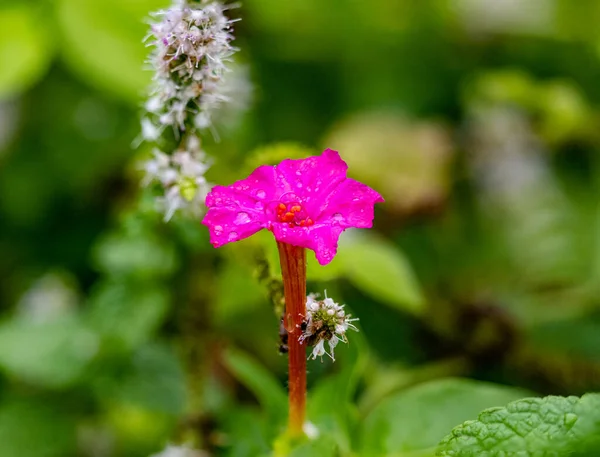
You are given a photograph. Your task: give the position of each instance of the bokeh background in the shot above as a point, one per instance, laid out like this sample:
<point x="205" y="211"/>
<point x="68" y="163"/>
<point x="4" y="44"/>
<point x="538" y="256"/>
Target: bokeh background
<point x="476" y="119"/>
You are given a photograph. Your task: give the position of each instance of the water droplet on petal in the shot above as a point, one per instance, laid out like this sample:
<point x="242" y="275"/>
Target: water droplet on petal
<point x="242" y="218"/>
<point x="356" y="199"/>
<point x="218" y="230"/>
<point x="338" y="217"/>
<point x="299" y="185"/>
<point x="233" y="236"/>
<point x="298" y="173"/>
<point x="261" y="193"/>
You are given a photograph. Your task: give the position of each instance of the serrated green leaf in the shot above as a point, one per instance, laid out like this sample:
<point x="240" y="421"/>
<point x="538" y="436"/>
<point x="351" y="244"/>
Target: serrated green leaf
<point x="532" y="427"/>
<point x="379" y="269"/>
<point x="25" y="48"/>
<point x="416" y="419"/>
<point x="51" y="354"/>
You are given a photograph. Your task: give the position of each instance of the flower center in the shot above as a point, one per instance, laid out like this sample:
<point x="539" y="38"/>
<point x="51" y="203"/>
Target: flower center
<point x="293" y="214"/>
<point x="188" y="188"/>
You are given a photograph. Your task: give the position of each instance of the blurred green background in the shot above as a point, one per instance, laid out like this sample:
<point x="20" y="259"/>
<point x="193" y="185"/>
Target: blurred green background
<point x="477" y="120"/>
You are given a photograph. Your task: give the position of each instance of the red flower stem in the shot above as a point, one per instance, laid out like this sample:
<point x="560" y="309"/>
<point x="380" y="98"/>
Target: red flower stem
<point x="293" y="269"/>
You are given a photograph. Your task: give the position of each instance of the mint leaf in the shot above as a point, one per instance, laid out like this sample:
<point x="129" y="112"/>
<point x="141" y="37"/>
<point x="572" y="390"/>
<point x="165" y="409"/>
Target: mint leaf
<point x="532" y="427"/>
<point x="415" y="419"/>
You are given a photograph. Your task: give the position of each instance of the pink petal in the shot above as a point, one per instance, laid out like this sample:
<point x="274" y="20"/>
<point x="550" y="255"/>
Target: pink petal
<point x="323" y="239"/>
<point x="350" y="204"/>
<point x="313" y="178"/>
<point x="259" y="187"/>
<point x="237" y="211"/>
<point x="226" y="226"/>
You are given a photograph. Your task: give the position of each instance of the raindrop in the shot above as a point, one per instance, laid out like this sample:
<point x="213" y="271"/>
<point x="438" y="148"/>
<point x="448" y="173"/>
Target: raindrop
<point x="299" y="185"/>
<point x="338" y="217"/>
<point x="233" y="236"/>
<point x="218" y="230"/>
<point x="242" y="218"/>
<point x="261" y="193"/>
<point x="356" y="199"/>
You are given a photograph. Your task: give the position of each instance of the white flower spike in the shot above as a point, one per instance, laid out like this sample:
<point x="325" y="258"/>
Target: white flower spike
<point x="182" y="177"/>
<point x="192" y="50"/>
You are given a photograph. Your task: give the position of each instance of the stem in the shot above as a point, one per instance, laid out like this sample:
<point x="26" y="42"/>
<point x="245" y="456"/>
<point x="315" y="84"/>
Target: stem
<point x="293" y="269"/>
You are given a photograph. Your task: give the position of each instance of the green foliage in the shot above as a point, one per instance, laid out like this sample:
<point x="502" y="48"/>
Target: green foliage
<point x="52" y="354"/>
<point x="417" y="418"/>
<point x="142" y="255"/>
<point x="152" y="381"/>
<point x="26" y="47"/>
<point x="550" y="426"/>
<point x="34" y="428"/>
<point x="262" y="384"/>
<point x="483" y="263"/>
<point x="373" y="265"/>
<point x="103" y="43"/>
<point x="127" y="314"/>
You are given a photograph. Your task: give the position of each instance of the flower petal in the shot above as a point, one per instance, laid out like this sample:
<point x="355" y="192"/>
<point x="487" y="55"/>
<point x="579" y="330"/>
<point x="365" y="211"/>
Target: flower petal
<point x="350" y="204"/>
<point x="237" y="211"/>
<point x="259" y="187"/>
<point x="226" y="226"/>
<point x="323" y="239"/>
<point x="313" y="178"/>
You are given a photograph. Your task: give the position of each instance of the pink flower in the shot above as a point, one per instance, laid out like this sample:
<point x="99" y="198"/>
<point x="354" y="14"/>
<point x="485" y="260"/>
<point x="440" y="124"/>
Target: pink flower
<point x="307" y="202"/>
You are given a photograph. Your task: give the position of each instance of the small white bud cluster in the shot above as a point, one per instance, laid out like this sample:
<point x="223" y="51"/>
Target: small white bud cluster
<point x="325" y="321"/>
<point x="192" y="49"/>
<point x="181" y="175"/>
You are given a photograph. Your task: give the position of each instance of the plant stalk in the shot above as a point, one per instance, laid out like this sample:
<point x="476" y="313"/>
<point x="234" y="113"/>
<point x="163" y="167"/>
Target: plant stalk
<point x="293" y="269"/>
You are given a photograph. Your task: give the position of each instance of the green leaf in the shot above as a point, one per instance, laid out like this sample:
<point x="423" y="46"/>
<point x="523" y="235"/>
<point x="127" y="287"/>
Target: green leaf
<point x="126" y="313"/>
<point x="103" y="42"/>
<point x="379" y="269"/>
<point x="35" y="429"/>
<point x="259" y="381"/>
<point x="26" y="48"/>
<point x="323" y="446"/>
<point x="417" y="418"/>
<point x="531" y="427"/>
<point x="51" y="354"/>
<point x="140" y="256"/>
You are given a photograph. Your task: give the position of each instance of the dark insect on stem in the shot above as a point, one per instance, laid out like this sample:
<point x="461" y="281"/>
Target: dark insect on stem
<point x="283" y="338"/>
